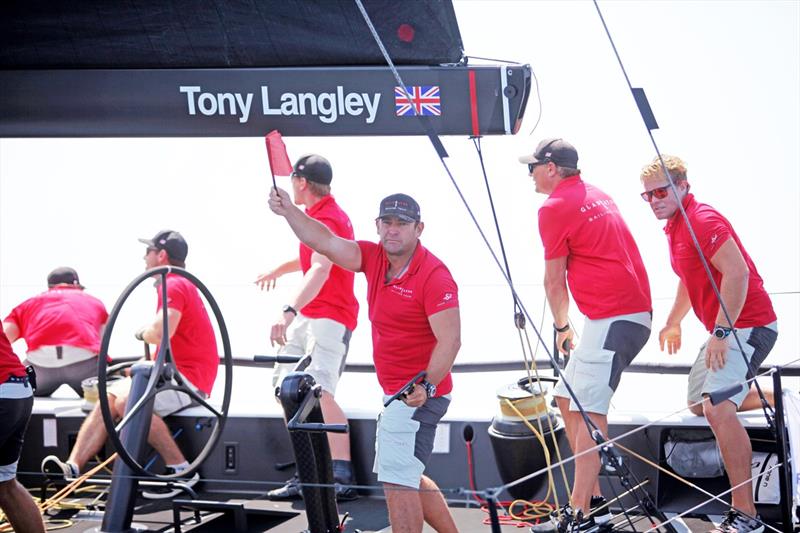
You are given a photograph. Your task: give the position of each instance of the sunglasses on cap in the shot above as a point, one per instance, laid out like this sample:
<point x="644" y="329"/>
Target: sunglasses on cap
<point x="660" y="193"/>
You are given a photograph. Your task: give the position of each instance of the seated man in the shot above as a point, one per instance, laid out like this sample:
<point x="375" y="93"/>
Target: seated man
<point x="194" y="351"/>
<point x="62" y="327"/>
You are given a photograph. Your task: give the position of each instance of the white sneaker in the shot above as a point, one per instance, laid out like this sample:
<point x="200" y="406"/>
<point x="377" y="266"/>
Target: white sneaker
<point x="170" y="488"/>
<point x="56" y="469"/>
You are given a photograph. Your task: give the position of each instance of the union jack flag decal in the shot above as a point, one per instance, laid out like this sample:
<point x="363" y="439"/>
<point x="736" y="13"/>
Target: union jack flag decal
<point x="424" y="98"/>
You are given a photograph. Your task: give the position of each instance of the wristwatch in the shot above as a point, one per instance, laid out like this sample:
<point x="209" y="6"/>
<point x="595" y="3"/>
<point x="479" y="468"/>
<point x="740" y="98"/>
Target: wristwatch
<point x="430" y="388"/>
<point x="289" y="309"/>
<point x="721" y="332"/>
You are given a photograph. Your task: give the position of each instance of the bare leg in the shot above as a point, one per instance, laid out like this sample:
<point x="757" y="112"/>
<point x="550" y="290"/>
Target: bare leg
<point x="92" y="434"/>
<point x="587" y="465"/>
<point x="574" y="423"/>
<point x="161" y="439"/>
<point x="737" y="452"/>
<point x="333" y="414"/>
<point x="434" y="507"/>
<point x="753" y="400"/>
<point x="405" y="508"/>
<point x="20" y="508"/>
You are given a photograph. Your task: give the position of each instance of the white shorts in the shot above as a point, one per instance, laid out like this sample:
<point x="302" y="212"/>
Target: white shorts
<point x="607" y="347"/>
<point x="166" y="402"/>
<point x="757" y="343"/>
<point x="325" y="340"/>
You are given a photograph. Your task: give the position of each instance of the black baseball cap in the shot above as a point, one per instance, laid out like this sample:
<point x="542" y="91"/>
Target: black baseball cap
<point x="401" y="206"/>
<point x="63" y="276"/>
<point x="557" y="150"/>
<point x="314" y="168"/>
<point x="170" y="241"/>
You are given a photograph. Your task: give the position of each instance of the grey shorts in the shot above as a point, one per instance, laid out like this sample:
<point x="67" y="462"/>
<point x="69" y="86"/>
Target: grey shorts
<point x="757" y="343"/>
<point x="48" y="378"/>
<point x="325" y="340"/>
<point x="166" y="402"/>
<point x="607" y="346"/>
<point x="404" y="440"/>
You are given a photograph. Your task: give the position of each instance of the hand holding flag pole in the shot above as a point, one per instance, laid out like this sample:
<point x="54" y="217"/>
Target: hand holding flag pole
<point x="279" y="162"/>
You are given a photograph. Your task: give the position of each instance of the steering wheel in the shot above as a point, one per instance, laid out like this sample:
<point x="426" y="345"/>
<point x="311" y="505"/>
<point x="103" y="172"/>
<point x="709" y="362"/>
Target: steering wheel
<point x="163" y="367"/>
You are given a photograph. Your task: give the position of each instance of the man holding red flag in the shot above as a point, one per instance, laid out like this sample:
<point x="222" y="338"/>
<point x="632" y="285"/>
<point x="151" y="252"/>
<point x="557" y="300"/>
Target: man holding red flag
<point x="320" y="317"/>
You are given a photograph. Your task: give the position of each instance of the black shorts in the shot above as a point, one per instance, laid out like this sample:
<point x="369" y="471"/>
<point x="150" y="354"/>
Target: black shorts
<point x="14" y="414"/>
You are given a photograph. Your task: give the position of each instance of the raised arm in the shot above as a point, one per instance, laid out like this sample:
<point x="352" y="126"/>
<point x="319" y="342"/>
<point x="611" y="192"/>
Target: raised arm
<point x="267" y="279"/>
<point x="315" y="234"/>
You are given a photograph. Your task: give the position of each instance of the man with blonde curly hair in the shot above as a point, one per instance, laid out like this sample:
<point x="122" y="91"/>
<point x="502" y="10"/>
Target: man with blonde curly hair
<point x="752" y="318"/>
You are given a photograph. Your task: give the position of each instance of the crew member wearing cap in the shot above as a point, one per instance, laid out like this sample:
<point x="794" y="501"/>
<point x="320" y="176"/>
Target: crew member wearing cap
<point x="588" y="247"/>
<point x="194" y="351"/>
<point x="413" y="307"/>
<point x="62" y="328"/>
<point x="320" y="317"/>
<point x="720" y="364"/>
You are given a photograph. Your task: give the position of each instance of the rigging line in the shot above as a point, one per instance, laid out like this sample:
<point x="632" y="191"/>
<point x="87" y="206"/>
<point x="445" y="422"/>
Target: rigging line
<point x="506" y="61"/>
<point x="476" y="141"/>
<point x="769" y="413"/>
<point x="700" y="489"/>
<point x="437" y="144"/>
<point x="539" y="100"/>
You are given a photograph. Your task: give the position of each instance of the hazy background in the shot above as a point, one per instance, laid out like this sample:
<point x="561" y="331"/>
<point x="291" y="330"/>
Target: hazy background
<point x="723" y="80"/>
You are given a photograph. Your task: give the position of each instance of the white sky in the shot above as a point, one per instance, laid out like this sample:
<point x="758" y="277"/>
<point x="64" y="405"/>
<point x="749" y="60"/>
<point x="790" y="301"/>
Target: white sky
<point x="723" y="79"/>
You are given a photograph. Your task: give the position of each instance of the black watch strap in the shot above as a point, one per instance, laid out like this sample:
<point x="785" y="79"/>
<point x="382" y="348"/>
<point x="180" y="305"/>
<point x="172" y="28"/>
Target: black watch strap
<point x="289" y="309"/>
<point x="563" y="329"/>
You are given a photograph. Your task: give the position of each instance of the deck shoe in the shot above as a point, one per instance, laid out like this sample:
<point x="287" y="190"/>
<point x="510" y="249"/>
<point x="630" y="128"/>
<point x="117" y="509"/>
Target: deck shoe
<point x="290" y="491"/>
<point x="603" y="515"/>
<point x="735" y="522"/>
<point x="169" y="490"/>
<point x="343" y="476"/>
<point x="571" y="522"/>
<point x="56" y="469"/>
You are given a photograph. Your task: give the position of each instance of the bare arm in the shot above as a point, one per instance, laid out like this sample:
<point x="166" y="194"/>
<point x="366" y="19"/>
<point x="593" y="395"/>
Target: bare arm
<point x="555" y="287"/>
<point x="267" y="279"/>
<point x="11" y="330"/>
<point x="153" y="333"/>
<point x="670" y="334"/>
<point x="446" y="326"/>
<point x="315" y="234"/>
<point x="735" y="279"/>
<point x="313" y="280"/>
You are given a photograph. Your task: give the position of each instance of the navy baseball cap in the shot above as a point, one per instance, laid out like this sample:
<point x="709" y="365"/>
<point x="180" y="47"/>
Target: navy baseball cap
<point x="170" y="241"/>
<point x="63" y="276"/>
<point x="314" y="168"/>
<point x="401" y="206"/>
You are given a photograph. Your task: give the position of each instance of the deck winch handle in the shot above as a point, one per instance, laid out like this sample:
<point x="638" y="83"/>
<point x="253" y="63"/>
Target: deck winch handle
<point x="407" y="388"/>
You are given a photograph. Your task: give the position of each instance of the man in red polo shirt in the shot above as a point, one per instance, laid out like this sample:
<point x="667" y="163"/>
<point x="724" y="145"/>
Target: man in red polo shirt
<point x="62" y="328"/>
<point x="194" y="350"/>
<point x="320" y="317"/>
<point x="753" y="325"/>
<point x="413" y="308"/>
<point x="16" y="403"/>
<point x="588" y="247"/>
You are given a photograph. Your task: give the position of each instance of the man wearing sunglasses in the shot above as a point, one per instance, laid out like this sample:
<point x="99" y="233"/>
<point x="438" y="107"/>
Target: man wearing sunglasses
<point x="588" y="247"/>
<point x="720" y="363"/>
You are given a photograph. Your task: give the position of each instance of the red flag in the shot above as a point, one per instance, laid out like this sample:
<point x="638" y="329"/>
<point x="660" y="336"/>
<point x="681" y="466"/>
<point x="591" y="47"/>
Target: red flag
<point x="276" y="153"/>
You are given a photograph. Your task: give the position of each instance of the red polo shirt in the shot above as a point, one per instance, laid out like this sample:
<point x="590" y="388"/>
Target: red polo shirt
<point x="335" y="300"/>
<point x="62" y="316"/>
<point x="712" y="230"/>
<point x="402" y="339"/>
<point x="194" y="346"/>
<point x="10" y="364"/>
<point x="605" y="272"/>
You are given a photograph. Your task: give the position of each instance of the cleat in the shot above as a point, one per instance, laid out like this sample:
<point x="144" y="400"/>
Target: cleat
<point x="290" y="491"/>
<point x="735" y="522"/>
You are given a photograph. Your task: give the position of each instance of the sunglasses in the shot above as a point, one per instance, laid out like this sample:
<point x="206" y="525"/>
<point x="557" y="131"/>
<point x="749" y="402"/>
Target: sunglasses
<point x="660" y="193"/>
<point x="531" y="166"/>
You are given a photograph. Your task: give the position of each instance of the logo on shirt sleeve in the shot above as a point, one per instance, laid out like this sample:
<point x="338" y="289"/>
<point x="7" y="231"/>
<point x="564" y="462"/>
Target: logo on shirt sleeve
<point x="446" y="298"/>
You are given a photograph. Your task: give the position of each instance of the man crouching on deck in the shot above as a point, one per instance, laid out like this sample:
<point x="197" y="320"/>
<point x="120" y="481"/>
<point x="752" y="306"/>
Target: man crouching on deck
<point x="413" y="307"/>
<point x="719" y="364"/>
